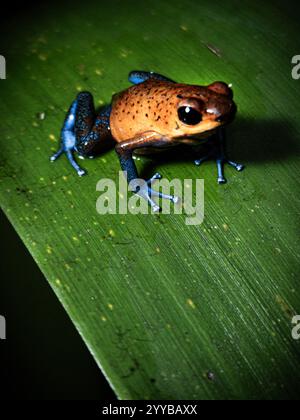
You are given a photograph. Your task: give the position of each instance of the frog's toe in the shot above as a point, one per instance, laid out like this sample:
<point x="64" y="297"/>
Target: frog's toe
<point x="81" y="172"/>
<point x="154" y="177"/>
<point x="56" y="155"/>
<point x="155" y="193"/>
<point x="69" y="154"/>
<point x="155" y="207"/>
<point x="146" y="194"/>
<point x="198" y="162"/>
<point x="145" y="191"/>
<point x="159" y="194"/>
<point x="238" y="166"/>
<point x="221" y="180"/>
<point x="78" y="169"/>
<point x="220" y="165"/>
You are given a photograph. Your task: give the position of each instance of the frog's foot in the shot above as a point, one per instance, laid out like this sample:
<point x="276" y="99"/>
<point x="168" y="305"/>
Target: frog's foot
<point x="145" y="191"/>
<point x="70" y="157"/>
<point x="220" y="166"/>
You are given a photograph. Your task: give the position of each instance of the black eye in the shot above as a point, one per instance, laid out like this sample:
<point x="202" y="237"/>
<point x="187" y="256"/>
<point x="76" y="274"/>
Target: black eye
<point x="189" y="115"/>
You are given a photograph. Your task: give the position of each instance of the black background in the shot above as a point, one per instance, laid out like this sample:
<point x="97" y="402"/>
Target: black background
<point x="43" y="357"/>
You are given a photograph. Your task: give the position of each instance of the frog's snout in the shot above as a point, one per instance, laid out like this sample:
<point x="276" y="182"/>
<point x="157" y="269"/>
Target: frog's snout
<point x="227" y="113"/>
<point x="220" y="106"/>
<point x="222" y="111"/>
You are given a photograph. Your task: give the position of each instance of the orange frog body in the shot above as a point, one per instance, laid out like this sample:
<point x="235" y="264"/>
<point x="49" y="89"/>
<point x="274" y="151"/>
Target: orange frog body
<point x="172" y="110"/>
<point x="153" y="114"/>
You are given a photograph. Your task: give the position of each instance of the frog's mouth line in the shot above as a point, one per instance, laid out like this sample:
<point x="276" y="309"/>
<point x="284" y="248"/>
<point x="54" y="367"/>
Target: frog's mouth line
<point x="199" y="137"/>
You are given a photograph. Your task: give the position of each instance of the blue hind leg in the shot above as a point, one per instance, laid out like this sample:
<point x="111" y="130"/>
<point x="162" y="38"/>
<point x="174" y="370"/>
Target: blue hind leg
<point x="68" y="139"/>
<point x="82" y="130"/>
<point x="137" y="77"/>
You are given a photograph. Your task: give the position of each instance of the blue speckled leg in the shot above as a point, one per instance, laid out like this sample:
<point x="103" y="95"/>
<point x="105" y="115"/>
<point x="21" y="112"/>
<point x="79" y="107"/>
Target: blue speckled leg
<point x="82" y="130"/>
<point x="68" y="139"/>
<point x="137" y="77"/>
<point x="90" y="129"/>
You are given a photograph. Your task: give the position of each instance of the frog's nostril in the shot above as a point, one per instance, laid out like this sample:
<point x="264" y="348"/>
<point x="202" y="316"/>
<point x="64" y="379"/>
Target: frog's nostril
<point x="213" y="111"/>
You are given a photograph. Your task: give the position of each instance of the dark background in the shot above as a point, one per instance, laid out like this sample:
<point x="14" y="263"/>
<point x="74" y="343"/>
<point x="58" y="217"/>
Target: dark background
<point x="43" y="357"/>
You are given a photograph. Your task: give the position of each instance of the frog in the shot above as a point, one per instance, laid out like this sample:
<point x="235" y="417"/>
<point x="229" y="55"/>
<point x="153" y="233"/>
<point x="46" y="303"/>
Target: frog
<point x="153" y="114"/>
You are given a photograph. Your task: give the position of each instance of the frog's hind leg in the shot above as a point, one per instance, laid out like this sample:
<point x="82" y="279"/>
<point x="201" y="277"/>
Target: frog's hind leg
<point x="91" y="130"/>
<point x="137" y="76"/>
<point x="68" y="139"/>
<point x="82" y="130"/>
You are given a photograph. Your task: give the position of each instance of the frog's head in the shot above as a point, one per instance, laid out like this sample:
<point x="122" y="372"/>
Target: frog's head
<point x="203" y="109"/>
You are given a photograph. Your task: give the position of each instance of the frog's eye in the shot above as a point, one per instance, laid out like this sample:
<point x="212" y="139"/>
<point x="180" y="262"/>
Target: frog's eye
<point x="189" y="115"/>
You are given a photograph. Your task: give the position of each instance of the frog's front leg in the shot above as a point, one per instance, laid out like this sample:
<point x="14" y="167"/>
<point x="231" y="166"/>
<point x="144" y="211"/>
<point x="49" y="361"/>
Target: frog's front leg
<point x="125" y="151"/>
<point x="222" y="158"/>
<point x="218" y="151"/>
<point x="82" y="130"/>
<point x="139" y="76"/>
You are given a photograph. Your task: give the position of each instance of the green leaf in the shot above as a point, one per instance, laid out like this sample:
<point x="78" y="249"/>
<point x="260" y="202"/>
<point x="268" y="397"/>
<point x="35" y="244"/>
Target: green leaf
<point x="168" y="311"/>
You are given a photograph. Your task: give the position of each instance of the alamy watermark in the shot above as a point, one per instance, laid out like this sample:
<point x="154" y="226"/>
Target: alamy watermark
<point x="2" y="67"/>
<point x="296" y="68"/>
<point x="2" y="328"/>
<point x="169" y="197"/>
<point x="296" y="329"/>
